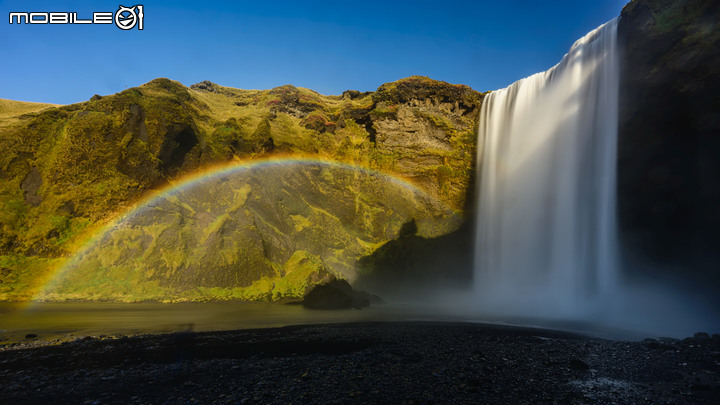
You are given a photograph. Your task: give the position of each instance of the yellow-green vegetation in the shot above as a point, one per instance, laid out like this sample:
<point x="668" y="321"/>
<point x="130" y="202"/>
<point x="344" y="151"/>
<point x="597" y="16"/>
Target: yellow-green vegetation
<point x="227" y="232"/>
<point x="298" y="275"/>
<point x="67" y="170"/>
<point x="10" y="110"/>
<point x="290" y="284"/>
<point x="22" y="277"/>
<point x="302" y="271"/>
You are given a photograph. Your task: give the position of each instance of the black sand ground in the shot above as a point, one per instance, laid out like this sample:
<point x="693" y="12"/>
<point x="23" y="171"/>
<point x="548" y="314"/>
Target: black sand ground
<point x="388" y="363"/>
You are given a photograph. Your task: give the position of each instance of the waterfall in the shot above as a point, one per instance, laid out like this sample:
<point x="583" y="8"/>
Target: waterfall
<point x="546" y="226"/>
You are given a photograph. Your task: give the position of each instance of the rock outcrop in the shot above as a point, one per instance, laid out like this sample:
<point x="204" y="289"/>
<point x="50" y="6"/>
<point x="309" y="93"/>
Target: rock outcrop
<point x="310" y="282"/>
<point x="428" y="128"/>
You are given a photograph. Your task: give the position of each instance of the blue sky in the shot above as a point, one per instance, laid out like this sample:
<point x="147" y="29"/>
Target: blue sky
<point x="328" y="46"/>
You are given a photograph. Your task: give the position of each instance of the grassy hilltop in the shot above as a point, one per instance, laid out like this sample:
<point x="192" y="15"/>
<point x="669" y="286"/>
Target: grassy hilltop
<point x="66" y="171"/>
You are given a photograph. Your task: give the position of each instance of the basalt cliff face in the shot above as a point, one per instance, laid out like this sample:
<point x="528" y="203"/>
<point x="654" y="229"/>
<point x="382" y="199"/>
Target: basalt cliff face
<point x="68" y="171"/>
<point x="669" y="138"/>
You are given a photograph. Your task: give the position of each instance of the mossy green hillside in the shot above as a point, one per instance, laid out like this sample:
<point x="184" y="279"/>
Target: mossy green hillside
<point x="11" y="109"/>
<point x="68" y="170"/>
<point x="234" y="229"/>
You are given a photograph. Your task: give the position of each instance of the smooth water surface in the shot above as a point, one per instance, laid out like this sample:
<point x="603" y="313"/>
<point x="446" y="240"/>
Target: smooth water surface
<point x="52" y="320"/>
<point x="71" y="320"/>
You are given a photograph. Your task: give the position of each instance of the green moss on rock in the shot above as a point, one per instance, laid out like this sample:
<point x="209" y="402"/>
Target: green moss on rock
<point x="89" y="162"/>
<point x="301" y="273"/>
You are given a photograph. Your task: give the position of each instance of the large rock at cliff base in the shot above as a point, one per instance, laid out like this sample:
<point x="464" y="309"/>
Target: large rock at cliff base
<point x="302" y="272"/>
<point x="308" y="280"/>
<point x="337" y="294"/>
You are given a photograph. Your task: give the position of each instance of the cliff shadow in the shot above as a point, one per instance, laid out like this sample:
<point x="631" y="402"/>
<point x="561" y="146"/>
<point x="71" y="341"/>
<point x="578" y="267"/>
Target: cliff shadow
<point x="412" y="265"/>
<point x="669" y="173"/>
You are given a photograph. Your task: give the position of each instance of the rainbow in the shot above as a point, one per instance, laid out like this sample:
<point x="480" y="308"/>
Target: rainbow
<point x="187" y="182"/>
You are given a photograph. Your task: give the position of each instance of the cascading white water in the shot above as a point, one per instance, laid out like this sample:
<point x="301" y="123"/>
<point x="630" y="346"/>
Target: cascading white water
<point x="546" y="230"/>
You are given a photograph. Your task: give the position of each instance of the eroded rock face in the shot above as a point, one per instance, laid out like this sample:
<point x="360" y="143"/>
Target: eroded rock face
<point x="408" y="132"/>
<point x="31" y="186"/>
<point x="669" y="136"/>
<point x="428" y="130"/>
<point x="417" y="90"/>
<point x="236" y="235"/>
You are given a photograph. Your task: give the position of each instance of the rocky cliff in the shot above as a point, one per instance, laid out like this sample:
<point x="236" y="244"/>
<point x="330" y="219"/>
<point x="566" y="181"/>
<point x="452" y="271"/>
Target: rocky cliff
<point x="67" y="171"/>
<point x="669" y="137"/>
<point x="231" y="235"/>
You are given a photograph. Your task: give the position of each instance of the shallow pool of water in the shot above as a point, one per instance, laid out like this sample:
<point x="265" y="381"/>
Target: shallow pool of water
<point x="69" y="320"/>
<point x="61" y="319"/>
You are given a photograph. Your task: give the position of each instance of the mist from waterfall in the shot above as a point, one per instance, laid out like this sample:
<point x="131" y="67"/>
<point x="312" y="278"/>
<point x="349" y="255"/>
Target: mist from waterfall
<point x="547" y="250"/>
<point x="546" y="226"/>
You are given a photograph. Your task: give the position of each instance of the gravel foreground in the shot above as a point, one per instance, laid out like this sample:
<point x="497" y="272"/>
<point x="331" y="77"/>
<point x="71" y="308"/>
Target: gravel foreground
<point x="388" y="363"/>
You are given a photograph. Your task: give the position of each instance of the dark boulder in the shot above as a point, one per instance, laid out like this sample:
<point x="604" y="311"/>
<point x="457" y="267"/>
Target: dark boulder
<point x="336" y="294"/>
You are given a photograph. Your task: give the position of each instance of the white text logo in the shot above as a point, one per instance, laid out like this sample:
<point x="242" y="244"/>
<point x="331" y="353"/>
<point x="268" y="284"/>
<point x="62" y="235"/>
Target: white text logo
<point x="125" y="18"/>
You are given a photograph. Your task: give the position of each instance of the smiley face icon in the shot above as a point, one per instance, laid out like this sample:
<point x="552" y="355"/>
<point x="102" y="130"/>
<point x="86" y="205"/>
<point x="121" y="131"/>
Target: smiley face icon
<point x="127" y="17"/>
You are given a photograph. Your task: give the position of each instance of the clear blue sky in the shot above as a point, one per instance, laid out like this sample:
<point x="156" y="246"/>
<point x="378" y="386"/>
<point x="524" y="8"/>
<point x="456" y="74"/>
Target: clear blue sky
<point x="328" y="46"/>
